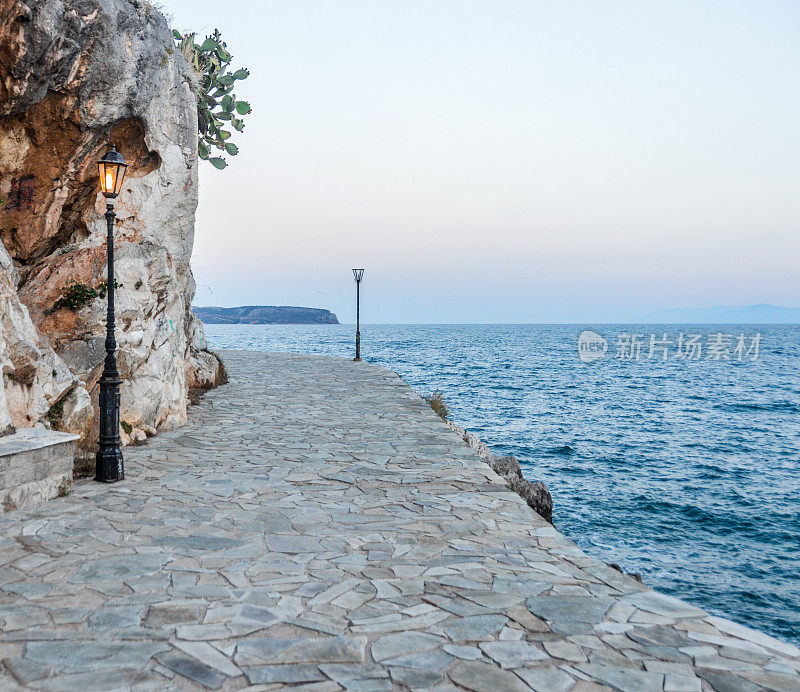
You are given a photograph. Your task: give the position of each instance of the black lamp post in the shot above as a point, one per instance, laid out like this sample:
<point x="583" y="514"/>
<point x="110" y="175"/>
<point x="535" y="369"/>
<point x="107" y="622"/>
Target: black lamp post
<point x="358" y="274"/>
<point x="109" y="467"/>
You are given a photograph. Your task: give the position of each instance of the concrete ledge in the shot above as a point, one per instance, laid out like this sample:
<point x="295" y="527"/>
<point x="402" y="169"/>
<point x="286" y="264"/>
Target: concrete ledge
<point x="35" y="465"/>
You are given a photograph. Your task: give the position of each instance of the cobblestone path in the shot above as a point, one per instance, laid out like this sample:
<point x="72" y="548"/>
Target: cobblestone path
<point x="317" y="526"/>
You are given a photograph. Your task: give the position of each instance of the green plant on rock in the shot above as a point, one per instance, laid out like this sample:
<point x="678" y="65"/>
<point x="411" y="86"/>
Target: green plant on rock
<point x="74" y="295"/>
<point x="55" y="414"/>
<point x="218" y="110"/>
<point x="102" y="288"/>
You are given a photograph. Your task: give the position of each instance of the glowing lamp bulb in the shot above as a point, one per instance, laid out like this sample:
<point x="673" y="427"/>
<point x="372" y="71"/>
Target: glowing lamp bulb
<point x="112" y="172"/>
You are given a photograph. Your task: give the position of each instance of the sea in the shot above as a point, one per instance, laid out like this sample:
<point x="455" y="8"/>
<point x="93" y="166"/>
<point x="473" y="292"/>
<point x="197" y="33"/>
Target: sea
<point x="671" y="450"/>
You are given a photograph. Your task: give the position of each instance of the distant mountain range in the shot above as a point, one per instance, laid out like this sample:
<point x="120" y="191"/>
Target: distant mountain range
<point x="264" y="314"/>
<point x="725" y="314"/>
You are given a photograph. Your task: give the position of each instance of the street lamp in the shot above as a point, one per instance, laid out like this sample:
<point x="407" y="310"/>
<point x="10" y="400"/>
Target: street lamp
<point x="109" y="467"/>
<point x="358" y="274"/>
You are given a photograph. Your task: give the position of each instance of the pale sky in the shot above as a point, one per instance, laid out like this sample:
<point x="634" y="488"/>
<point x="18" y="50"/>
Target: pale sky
<point x="506" y="161"/>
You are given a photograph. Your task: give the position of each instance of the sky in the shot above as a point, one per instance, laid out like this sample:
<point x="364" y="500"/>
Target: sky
<point x="505" y="161"/>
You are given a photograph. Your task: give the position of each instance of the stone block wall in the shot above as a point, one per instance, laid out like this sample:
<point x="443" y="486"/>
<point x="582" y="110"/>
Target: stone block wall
<point x="35" y="465"/>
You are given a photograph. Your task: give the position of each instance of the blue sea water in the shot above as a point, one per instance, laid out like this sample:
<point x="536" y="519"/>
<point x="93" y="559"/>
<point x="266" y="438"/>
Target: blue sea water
<point x="683" y="471"/>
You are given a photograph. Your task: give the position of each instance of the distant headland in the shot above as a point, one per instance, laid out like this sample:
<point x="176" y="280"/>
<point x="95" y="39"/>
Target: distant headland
<point x="264" y="314"/>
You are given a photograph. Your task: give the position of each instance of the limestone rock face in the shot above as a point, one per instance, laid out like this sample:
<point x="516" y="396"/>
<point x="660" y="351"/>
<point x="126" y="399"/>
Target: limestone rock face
<point x="34" y="377"/>
<point x="78" y="75"/>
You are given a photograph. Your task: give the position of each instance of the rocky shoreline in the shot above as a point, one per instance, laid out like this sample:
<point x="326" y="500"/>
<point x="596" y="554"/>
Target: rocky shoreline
<point x="535" y="493"/>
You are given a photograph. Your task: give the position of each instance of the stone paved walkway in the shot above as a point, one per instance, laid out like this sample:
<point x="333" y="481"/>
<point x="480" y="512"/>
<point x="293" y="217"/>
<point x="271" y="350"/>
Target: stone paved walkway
<point x="316" y="525"/>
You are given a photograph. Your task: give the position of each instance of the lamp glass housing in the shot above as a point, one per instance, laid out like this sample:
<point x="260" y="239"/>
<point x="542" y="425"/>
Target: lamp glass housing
<point x="358" y="274"/>
<point x="112" y="172"/>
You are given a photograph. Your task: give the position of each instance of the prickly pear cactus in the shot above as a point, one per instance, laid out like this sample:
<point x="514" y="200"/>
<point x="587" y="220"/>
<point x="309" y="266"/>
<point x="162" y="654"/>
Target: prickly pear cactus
<point x="218" y="110"/>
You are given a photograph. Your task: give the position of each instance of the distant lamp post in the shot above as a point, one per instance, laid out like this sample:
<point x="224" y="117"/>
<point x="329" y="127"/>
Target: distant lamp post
<point x="109" y="467"/>
<point x="358" y="274"/>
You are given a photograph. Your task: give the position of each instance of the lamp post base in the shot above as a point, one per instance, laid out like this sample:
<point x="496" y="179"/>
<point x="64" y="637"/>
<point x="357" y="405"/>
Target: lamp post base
<point x="109" y="466"/>
<point x="356" y="360"/>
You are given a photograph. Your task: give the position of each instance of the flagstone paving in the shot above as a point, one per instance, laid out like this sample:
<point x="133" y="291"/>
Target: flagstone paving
<point x="317" y="526"/>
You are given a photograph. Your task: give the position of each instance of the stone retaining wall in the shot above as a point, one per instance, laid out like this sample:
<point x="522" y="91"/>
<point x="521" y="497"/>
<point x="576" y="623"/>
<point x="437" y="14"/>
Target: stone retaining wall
<point x="35" y="465"/>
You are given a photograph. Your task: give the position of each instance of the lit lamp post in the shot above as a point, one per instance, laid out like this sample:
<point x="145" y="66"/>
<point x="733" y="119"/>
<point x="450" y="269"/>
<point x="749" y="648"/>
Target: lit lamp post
<point x="358" y="274"/>
<point x="109" y="467"/>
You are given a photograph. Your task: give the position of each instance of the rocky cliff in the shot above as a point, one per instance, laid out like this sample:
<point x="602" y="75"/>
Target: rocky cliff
<point x="76" y="75"/>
